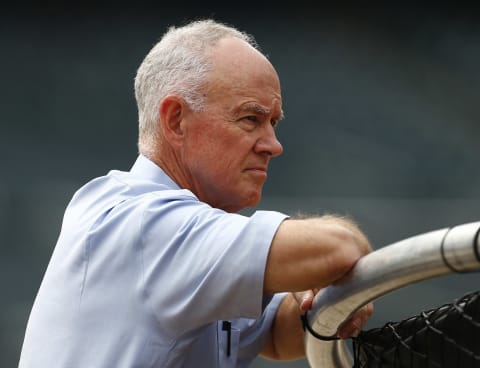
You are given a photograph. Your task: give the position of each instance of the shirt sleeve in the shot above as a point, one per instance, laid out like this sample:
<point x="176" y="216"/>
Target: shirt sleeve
<point x="202" y="264"/>
<point x="255" y="332"/>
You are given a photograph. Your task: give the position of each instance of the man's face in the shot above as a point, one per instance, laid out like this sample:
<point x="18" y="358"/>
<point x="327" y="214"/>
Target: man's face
<point x="230" y="143"/>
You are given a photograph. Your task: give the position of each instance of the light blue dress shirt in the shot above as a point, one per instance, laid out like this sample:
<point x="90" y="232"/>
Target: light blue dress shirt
<point x="146" y="275"/>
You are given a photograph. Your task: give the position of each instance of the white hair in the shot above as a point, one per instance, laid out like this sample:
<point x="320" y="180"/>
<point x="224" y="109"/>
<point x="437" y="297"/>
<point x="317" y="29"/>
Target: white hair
<point x="178" y="64"/>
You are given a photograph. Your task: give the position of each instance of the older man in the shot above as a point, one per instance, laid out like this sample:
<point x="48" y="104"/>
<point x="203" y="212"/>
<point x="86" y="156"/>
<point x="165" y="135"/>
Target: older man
<point x="154" y="267"/>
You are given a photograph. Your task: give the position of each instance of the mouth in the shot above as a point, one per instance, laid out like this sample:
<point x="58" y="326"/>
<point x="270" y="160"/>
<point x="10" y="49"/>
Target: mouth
<point x="262" y="169"/>
<point x="257" y="172"/>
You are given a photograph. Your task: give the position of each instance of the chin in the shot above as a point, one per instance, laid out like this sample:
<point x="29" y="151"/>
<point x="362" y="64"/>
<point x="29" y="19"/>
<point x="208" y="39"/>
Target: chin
<point x="251" y="201"/>
<point x="239" y="200"/>
<point x="254" y="200"/>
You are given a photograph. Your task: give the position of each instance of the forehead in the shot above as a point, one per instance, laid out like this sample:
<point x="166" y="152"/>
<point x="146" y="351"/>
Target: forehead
<point x="242" y="72"/>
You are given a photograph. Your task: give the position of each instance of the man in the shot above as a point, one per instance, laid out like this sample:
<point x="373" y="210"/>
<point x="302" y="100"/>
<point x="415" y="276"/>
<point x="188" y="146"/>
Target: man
<point x="153" y="267"/>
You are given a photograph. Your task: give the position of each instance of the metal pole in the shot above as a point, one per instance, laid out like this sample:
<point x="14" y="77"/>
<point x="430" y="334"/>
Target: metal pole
<point x="418" y="258"/>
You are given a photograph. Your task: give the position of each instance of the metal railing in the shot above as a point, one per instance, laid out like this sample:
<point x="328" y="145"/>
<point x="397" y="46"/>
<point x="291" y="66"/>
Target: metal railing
<point x="414" y="259"/>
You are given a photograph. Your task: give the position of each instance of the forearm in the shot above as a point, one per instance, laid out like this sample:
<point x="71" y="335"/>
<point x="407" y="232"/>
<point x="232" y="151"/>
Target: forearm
<point x="312" y="253"/>
<point x="286" y="341"/>
<point x="309" y="254"/>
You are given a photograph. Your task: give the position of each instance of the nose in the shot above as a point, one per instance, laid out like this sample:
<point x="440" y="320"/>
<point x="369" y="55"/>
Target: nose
<point x="268" y="142"/>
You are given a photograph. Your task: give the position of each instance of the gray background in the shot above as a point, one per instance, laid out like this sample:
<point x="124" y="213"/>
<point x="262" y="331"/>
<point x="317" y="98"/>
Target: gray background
<point x="382" y="123"/>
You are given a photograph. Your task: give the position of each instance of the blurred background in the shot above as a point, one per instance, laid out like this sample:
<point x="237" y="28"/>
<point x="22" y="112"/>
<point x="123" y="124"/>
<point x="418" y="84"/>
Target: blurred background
<point x="382" y="123"/>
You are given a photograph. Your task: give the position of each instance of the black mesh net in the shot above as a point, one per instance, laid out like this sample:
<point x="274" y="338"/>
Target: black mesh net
<point x="448" y="336"/>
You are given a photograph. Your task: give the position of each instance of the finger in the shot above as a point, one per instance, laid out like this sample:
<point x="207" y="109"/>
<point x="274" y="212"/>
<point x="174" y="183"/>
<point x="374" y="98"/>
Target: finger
<point x="304" y="299"/>
<point x="298" y="297"/>
<point x="365" y="313"/>
<point x="351" y="328"/>
<point x="355" y="324"/>
<point x="307" y="300"/>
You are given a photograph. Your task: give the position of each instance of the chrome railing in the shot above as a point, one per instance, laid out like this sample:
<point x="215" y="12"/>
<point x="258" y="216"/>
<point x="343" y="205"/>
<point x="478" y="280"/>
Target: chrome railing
<point x="414" y="259"/>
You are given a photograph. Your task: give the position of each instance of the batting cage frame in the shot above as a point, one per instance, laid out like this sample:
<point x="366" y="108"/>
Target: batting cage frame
<point x="433" y="338"/>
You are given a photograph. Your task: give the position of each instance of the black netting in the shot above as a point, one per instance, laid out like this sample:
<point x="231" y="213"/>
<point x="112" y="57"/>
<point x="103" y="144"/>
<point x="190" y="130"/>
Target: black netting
<point x="448" y="336"/>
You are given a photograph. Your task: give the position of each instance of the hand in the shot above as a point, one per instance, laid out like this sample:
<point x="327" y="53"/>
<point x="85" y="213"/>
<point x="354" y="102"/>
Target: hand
<point x="305" y="299"/>
<point x="351" y="328"/>
<point x="354" y="325"/>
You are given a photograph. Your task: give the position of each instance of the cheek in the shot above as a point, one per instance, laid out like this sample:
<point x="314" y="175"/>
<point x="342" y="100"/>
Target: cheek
<point x="199" y="143"/>
<point x="217" y="151"/>
<point x="219" y="168"/>
<point x="206" y="156"/>
<point x="210" y="144"/>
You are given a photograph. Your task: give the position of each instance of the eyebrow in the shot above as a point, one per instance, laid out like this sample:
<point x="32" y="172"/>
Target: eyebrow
<point x="259" y="109"/>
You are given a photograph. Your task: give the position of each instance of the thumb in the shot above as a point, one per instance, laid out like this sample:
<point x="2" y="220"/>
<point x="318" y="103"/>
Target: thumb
<point x="304" y="299"/>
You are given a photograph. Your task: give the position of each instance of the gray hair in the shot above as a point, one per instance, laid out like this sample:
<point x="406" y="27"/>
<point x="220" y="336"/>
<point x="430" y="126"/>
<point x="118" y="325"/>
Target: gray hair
<point x="178" y="64"/>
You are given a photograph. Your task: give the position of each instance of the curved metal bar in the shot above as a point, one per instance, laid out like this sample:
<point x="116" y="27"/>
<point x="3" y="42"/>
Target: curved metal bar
<point x="418" y="258"/>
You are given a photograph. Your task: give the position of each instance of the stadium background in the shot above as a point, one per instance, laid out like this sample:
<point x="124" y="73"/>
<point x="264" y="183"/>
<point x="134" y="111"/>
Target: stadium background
<point x="382" y="123"/>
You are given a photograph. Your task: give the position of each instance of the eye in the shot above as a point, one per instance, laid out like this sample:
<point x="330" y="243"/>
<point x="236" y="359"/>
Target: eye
<point x="248" y="122"/>
<point x="274" y="123"/>
<point x="252" y="118"/>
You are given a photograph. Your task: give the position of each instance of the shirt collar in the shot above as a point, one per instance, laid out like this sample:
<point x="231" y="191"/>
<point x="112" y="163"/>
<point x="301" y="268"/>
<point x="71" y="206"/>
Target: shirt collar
<point x="147" y="169"/>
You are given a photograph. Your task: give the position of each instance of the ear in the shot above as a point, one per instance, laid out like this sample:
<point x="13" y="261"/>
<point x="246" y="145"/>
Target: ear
<point x="172" y="112"/>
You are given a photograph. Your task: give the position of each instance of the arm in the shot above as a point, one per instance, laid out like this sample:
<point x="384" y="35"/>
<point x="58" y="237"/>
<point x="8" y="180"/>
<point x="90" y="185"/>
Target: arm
<point x="286" y="338"/>
<point x="286" y="341"/>
<point x="307" y="254"/>
<point x="312" y="253"/>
